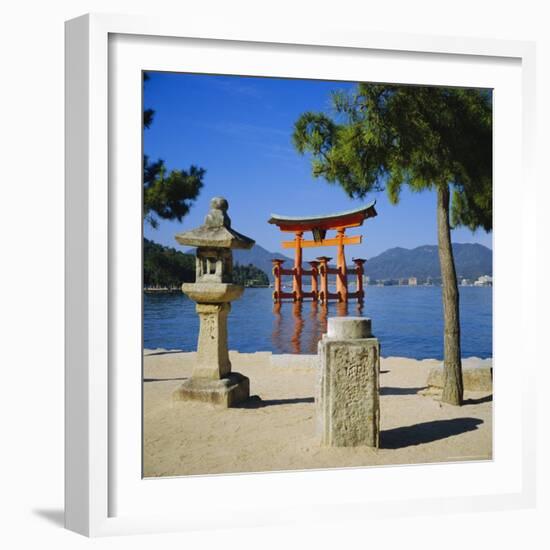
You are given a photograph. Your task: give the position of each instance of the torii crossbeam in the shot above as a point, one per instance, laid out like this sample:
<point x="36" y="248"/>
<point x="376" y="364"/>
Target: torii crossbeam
<point x="319" y="225"/>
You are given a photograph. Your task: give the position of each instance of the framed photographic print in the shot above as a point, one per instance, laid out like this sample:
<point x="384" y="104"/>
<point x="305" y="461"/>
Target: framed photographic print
<point x="294" y="282"/>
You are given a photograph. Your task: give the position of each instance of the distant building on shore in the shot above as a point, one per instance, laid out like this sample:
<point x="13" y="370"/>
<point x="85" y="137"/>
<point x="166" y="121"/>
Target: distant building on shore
<point x="413" y="281"/>
<point x="484" y="280"/>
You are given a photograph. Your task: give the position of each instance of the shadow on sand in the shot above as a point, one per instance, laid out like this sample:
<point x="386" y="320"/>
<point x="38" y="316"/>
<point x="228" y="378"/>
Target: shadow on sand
<point x="400" y="391"/>
<point x="425" y="432"/>
<point x="478" y="401"/>
<point x="166" y="352"/>
<point x="256" y="402"/>
<point x="163" y="379"/>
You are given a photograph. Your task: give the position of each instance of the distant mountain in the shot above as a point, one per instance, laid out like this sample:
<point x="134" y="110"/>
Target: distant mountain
<point x="471" y="260"/>
<point x="259" y="257"/>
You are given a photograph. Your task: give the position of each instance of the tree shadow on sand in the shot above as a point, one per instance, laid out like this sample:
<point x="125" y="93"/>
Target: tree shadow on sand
<point x="426" y="432"/>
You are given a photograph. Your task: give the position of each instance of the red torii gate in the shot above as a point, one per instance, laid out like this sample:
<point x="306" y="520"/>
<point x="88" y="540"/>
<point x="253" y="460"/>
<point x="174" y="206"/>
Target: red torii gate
<point x="319" y="225"/>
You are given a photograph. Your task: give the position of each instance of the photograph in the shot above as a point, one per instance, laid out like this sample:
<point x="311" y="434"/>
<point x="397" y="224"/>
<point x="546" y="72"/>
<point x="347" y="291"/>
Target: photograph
<point x="284" y="245"/>
<point x="317" y="274"/>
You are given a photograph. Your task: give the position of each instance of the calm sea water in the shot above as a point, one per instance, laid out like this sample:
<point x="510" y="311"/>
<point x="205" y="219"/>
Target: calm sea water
<point x="407" y="320"/>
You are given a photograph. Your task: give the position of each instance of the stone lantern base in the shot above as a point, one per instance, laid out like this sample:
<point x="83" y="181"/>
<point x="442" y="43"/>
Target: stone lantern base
<point x="226" y="392"/>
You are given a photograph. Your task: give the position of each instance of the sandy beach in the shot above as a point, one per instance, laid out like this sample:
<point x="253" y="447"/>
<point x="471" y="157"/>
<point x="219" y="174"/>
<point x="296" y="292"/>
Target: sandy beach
<point x="275" y="429"/>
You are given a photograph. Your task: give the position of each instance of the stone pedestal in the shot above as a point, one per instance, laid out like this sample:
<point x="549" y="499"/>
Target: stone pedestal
<point x="348" y="409"/>
<point x="477" y="375"/>
<point x="212" y="355"/>
<point x="226" y="392"/>
<point x="212" y="380"/>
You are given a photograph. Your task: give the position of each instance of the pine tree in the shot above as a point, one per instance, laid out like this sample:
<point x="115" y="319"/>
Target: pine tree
<point x="429" y="138"/>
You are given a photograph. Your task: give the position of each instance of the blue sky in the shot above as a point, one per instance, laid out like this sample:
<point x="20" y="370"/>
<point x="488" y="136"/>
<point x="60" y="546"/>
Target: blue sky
<point x="239" y="129"/>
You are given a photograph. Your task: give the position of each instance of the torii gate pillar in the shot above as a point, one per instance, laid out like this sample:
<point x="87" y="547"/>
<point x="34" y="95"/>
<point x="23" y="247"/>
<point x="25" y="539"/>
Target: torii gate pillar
<point x="342" y="276"/>
<point x="297" y="278"/>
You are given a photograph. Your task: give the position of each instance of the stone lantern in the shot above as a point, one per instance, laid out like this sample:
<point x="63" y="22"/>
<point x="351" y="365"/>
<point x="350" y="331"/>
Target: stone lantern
<point x="213" y="291"/>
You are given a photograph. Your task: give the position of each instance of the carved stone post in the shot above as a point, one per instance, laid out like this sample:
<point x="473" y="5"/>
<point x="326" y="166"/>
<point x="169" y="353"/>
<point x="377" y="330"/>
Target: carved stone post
<point x="212" y="355"/>
<point x="348" y="409"/>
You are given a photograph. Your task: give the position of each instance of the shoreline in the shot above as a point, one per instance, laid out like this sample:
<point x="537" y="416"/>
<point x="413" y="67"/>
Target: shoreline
<point x="470" y="358"/>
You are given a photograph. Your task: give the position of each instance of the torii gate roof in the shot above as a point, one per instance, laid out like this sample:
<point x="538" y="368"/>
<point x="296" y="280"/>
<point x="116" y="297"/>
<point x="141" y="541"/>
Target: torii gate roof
<point x="348" y="218"/>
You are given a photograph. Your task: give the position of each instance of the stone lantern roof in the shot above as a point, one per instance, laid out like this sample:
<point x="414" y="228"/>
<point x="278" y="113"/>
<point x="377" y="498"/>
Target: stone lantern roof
<point x="216" y="231"/>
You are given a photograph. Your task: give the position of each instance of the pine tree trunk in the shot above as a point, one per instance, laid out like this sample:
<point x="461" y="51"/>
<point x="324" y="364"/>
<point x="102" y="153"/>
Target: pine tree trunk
<point x="452" y="370"/>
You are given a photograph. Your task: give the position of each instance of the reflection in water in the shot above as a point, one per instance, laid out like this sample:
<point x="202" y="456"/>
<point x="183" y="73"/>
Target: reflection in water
<point x="277" y="335"/>
<point x="303" y="333"/>
<point x="298" y="327"/>
<point x="323" y="320"/>
<point x="408" y="320"/>
<point x="342" y="309"/>
<point x="314" y="320"/>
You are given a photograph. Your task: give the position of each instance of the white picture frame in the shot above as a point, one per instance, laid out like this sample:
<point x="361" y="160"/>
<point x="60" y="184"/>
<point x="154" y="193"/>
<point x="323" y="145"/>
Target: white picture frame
<point x="104" y="493"/>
